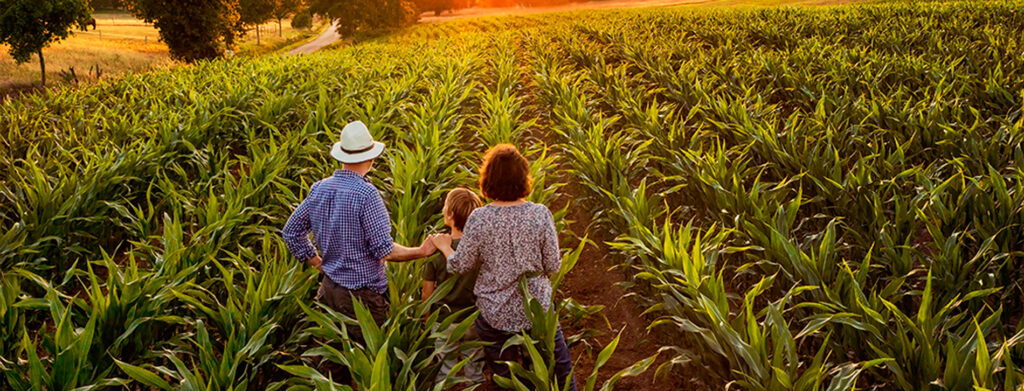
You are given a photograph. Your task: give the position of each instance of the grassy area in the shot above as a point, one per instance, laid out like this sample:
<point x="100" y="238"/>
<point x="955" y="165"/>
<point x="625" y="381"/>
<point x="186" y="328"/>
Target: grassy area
<point x="773" y="3"/>
<point x="807" y="198"/>
<point x="122" y="44"/>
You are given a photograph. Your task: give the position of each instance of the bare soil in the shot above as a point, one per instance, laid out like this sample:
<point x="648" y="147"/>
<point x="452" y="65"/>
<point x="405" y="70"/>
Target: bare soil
<point x="594" y="282"/>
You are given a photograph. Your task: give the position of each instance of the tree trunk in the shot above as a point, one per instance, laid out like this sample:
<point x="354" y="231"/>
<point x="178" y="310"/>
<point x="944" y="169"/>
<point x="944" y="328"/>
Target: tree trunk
<point x="42" y="66"/>
<point x="257" y="35"/>
<point x="279" y="33"/>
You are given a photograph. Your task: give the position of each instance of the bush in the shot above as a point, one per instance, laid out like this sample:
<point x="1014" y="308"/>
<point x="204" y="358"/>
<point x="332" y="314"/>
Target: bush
<point x="302" y="20"/>
<point x="200" y="31"/>
<point x="366" y="15"/>
<point x="439" y="6"/>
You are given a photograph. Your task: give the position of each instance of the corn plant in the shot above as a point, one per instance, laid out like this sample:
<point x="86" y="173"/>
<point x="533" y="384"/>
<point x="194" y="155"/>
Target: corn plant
<point x="65" y="363"/>
<point x="850" y="178"/>
<point x="538" y="343"/>
<point x="12" y="312"/>
<point x="396" y="355"/>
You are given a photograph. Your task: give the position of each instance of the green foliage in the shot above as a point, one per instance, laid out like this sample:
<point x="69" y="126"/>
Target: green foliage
<point x="302" y="20"/>
<point x="809" y="198"/>
<point x="833" y="237"/>
<point x="284" y="8"/>
<point x="354" y="16"/>
<point x="28" y="26"/>
<point x="538" y="345"/>
<point x="253" y="12"/>
<point x="199" y="31"/>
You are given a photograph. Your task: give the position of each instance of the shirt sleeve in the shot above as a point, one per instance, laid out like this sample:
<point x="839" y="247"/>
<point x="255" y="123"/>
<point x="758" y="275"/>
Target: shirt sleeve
<point x="296" y="230"/>
<point x="551" y="257"/>
<point x="376" y="226"/>
<point x="430" y="270"/>
<point x="467" y="255"/>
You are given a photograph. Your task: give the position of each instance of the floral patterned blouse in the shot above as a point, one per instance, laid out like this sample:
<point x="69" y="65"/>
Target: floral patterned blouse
<point x="509" y="242"/>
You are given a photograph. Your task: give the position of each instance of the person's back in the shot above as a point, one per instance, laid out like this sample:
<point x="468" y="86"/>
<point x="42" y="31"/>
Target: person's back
<point x="458" y="206"/>
<point x="352" y="229"/>
<point x="513" y="242"/>
<point x="461" y="297"/>
<point x="510" y="239"/>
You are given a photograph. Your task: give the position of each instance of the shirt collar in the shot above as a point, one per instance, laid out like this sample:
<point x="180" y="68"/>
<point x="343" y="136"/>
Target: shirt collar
<point x="349" y="174"/>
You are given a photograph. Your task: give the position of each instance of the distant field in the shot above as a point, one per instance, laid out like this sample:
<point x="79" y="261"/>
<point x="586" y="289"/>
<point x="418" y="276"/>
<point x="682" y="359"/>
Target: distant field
<point x="121" y="44"/>
<point x="473" y="12"/>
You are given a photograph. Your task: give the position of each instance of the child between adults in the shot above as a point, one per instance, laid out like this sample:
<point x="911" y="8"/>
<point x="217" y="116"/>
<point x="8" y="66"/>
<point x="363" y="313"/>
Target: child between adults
<point x="459" y="203"/>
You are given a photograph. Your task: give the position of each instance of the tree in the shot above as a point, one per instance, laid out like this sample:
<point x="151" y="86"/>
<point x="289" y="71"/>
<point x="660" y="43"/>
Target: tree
<point x="106" y="4"/>
<point x="255" y="13"/>
<point x="439" y="6"/>
<point x="28" y="26"/>
<point x="192" y="29"/>
<point x="302" y="20"/>
<point x="365" y="15"/>
<point x="283" y="9"/>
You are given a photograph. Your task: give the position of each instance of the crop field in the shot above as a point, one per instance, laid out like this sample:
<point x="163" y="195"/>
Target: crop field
<point x="820" y="198"/>
<point x="122" y="44"/>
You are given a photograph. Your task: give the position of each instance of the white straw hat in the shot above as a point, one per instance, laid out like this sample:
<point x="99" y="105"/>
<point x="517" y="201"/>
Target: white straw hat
<point x="356" y="145"/>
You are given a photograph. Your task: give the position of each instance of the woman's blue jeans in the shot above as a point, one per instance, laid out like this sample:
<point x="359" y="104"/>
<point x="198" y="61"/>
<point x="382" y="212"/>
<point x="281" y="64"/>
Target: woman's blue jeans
<point x="493" y="354"/>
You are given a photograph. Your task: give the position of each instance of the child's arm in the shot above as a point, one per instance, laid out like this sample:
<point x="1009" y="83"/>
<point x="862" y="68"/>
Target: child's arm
<point x="428" y="289"/>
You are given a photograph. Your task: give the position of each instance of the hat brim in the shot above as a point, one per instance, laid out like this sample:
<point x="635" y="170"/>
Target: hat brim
<point x="352" y="158"/>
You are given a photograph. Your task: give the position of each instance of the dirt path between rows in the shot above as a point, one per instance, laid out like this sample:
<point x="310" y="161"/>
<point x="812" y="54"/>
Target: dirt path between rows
<point x="594" y="280"/>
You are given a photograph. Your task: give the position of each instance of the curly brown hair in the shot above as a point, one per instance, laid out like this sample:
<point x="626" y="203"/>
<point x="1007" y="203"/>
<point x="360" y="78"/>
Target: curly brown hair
<point x="505" y="174"/>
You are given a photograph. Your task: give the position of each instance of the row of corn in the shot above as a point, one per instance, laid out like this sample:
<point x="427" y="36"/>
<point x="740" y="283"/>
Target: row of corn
<point x="810" y="199"/>
<point x="806" y="198"/>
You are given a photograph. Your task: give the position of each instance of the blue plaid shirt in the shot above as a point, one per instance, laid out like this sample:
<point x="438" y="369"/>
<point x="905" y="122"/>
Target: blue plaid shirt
<point x="351" y="227"/>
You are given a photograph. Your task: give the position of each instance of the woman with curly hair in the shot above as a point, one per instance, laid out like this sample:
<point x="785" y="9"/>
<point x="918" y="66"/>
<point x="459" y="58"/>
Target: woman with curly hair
<point x="508" y="239"/>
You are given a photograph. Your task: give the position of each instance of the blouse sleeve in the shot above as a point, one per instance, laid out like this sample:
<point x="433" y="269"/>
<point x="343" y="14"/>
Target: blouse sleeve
<point x="551" y="258"/>
<point x="467" y="255"/>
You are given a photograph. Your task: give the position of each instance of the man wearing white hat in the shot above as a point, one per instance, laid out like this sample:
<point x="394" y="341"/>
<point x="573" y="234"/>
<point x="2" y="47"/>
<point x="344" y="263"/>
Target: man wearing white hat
<point x="352" y="230"/>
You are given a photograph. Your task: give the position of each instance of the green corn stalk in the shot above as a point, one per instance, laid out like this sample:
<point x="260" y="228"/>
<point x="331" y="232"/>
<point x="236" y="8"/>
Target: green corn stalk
<point x="65" y="363"/>
<point x="400" y="354"/>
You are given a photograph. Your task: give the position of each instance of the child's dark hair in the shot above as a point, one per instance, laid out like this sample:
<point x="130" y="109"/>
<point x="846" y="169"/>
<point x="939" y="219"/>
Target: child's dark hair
<point x="461" y="202"/>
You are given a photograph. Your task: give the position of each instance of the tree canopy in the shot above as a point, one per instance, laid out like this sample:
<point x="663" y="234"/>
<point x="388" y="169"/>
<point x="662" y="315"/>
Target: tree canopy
<point x="192" y="29"/>
<point x="363" y="15"/>
<point x="284" y="8"/>
<point x="439" y="6"/>
<point x="28" y="26"/>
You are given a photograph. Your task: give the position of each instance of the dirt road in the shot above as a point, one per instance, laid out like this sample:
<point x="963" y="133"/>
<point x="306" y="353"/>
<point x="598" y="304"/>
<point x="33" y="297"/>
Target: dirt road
<point x="328" y="37"/>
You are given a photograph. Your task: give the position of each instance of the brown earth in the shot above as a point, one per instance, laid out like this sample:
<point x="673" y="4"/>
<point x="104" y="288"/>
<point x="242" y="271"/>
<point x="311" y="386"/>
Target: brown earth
<point x="594" y="282"/>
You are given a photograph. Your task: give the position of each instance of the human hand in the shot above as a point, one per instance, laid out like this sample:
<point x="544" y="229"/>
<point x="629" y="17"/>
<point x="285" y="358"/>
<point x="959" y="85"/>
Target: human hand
<point x="428" y="246"/>
<point x="441" y="240"/>
<point x="316" y="262"/>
